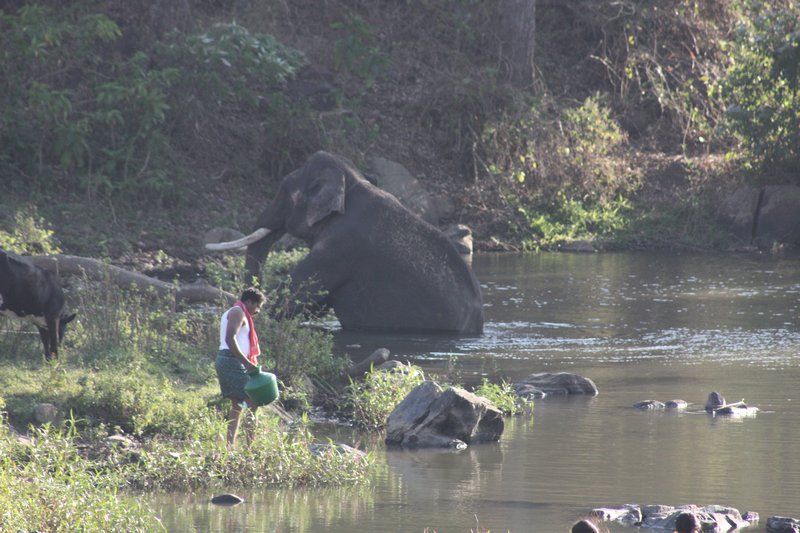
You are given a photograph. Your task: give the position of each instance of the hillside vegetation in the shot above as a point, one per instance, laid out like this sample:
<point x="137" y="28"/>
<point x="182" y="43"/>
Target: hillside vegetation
<point x="127" y="129"/>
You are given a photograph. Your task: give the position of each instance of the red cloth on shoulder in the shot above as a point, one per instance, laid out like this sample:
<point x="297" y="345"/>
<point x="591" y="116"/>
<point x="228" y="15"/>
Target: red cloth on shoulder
<point x="255" y="351"/>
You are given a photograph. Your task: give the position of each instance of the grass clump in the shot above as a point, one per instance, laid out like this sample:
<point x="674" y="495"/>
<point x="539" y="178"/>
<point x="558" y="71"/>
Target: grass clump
<point x="276" y="457"/>
<point x="375" y="397"/>
<point x="503" y="397"/>
<point x="48" y="486"/>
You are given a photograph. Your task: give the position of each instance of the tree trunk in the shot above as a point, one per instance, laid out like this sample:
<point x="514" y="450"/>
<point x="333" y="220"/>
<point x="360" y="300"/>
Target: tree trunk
<point x="98" y="270"/>
<point x="517" y="32"/>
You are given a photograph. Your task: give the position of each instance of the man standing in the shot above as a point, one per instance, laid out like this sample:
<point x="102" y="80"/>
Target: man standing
<point x="238" y="355"/>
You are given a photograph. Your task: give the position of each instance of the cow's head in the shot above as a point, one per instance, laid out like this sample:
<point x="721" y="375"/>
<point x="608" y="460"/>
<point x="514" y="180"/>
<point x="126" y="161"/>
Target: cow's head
<point x="62" y="325"/>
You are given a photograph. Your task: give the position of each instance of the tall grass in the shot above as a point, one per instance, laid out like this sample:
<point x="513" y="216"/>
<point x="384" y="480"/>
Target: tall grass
<point x="48" y="486"/>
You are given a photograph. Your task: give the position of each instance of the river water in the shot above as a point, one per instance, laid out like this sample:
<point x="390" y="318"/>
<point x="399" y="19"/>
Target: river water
<point x="641" y="326"/>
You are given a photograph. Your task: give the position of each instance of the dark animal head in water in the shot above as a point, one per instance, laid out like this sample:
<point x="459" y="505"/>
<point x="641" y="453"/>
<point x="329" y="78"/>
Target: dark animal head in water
<point x="715" y="400"/>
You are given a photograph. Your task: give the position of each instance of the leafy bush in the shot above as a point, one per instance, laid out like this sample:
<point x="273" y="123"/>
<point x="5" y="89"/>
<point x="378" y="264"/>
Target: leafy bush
<point x="75" y="114"/>
<point x="71" y="113"/>
<point x="503" y="397"/>
<point x="293" y="351"/>
<point x="574" y="219"/>
<point x="29" y="235"/>
<point x="656" y="60"/>
<point x="114" y="321"/>
<point x="564" y="180"/>
<point x="762" y="84"/>
<point x="232" y="64"/>
<point x="356" y="51"/>
<point x="372" y="399"/>
<point x="685" y="223"/>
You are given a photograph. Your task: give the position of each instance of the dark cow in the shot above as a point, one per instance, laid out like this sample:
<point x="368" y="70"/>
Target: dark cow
<point x="31" y="293"/>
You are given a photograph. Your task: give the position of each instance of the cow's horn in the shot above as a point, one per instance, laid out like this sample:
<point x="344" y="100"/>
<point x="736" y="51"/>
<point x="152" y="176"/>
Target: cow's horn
<point x="247" y="240"/>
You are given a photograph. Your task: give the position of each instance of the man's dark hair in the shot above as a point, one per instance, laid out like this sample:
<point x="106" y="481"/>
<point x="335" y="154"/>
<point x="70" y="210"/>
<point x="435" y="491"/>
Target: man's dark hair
<point x="687" y="523"/>
<point x="253" y="295"/>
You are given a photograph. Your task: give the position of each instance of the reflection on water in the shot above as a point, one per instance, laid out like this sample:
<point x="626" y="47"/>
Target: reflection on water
<point x="642" y="326"/>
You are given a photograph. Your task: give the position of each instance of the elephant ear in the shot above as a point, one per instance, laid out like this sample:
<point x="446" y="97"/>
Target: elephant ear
<point x="325" y="195"/>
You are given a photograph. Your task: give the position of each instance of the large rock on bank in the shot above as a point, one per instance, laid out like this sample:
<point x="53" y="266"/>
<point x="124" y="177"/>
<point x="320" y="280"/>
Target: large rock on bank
<point x="763" y="216"/>
<point x="431" y="418"/>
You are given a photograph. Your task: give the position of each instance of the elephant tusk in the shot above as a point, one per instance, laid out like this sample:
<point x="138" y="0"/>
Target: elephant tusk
<point x="247" y="240"/>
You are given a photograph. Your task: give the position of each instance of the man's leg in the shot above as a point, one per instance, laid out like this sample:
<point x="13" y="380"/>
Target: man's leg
<point x="233" y="421"/>
<point x="250" y="421"/>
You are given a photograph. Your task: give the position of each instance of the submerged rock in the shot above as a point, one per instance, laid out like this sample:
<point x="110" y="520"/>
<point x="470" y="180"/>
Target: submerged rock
<point x="662" y="517"/>
<point x="339" y="449"/>
<point x="227" y="499"/>
<point x="782" y="524"/>
<point x="655" y="404"/>
<point x="649" y="404"/>
<point x="628" y="515"/>
<point x="554" y="383"/>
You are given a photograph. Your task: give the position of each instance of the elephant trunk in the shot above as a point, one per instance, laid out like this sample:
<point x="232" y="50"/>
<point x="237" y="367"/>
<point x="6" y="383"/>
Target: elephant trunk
<point x="257" y="253"/>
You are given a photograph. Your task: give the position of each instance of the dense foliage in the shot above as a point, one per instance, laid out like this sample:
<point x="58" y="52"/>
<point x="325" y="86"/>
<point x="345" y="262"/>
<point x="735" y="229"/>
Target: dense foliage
<point x="81" y="112"/>
<point x="761" y="88"/>
<point x="95" y="102"/>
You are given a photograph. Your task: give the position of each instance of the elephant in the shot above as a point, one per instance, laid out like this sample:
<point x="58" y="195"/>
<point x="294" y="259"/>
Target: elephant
<point x="375" y="263"/>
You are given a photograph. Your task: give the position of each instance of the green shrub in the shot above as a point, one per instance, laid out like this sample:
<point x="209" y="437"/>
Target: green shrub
<point x="356" y="51"/>
<point x="685" y="223"/>
<point x="761" y="87"/>
<point x="293" y="351"/>
<point x="72" y="114"/>
<point x="277" y="456"/>
<point x="29" y="235"/>
<point x="503" y="397"/>
<point x="372" y="399"/>
<point x="76" y="115"/>
<point x="565" y="180"/>
<point x="232" y="65"/>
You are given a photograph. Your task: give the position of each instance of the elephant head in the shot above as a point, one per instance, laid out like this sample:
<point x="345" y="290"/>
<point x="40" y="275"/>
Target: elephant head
<point x="305" y="199"/>
<point x="374" y="262"/>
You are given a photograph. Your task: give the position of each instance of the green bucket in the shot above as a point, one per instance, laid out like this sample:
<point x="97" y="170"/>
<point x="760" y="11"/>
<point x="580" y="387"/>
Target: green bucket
<point x="262" y="387"/>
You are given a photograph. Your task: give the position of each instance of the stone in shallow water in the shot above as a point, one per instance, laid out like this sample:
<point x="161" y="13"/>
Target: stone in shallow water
<point x="782" y="524"/>
<point x="649" y="404"/>
<point x="227" y="499"/>
<point x="554" y="383"/>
